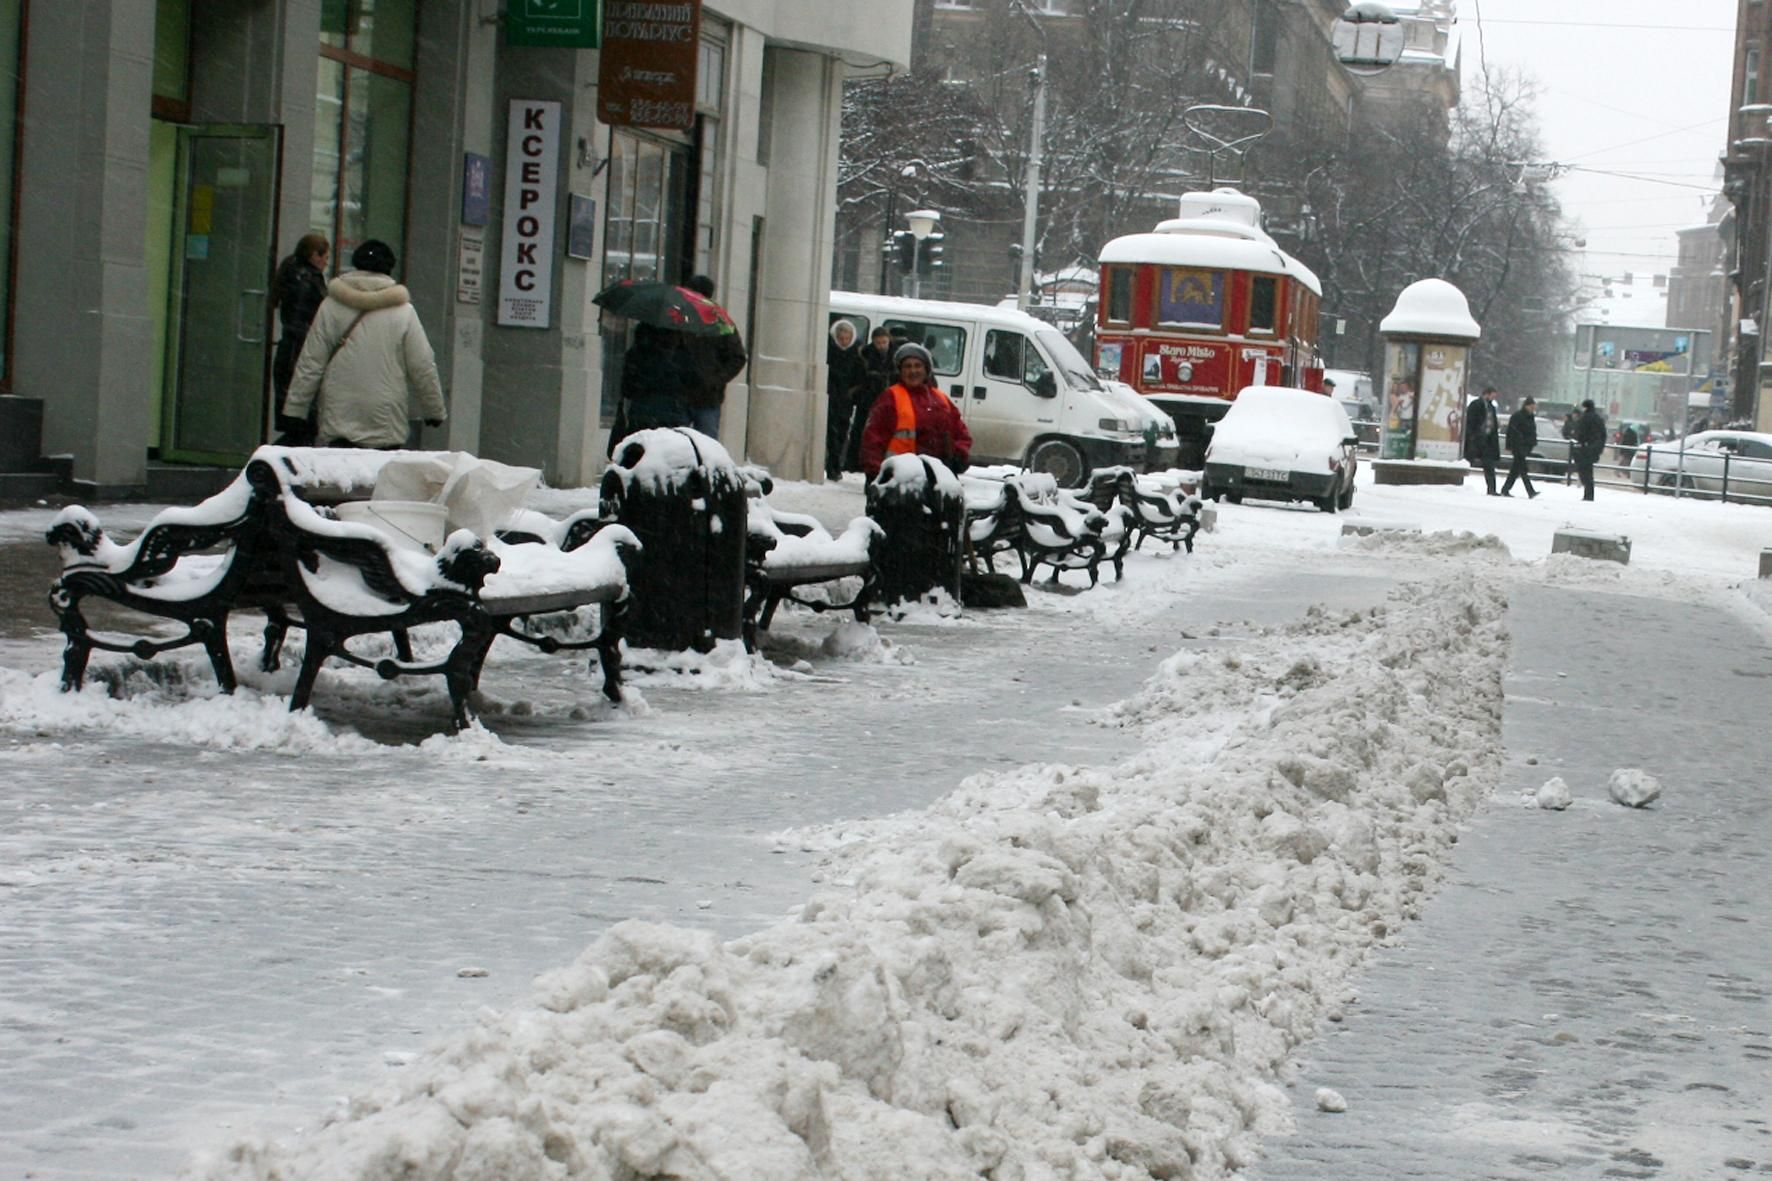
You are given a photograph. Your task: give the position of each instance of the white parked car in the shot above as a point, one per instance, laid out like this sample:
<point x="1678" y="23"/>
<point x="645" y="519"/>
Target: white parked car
<point x="1744" y="456"/>
<point x="1278" y="443"/>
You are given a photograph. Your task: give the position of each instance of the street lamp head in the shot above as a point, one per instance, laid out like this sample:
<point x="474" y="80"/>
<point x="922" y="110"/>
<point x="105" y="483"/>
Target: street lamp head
<point x="922" y="222"/>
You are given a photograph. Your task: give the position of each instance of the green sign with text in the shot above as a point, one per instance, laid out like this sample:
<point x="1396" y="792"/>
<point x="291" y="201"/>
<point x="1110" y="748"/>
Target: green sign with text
<point x="570" y="24"/>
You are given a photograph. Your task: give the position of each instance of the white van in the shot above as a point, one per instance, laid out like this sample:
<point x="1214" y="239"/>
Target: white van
<point x="1028" y="397"/>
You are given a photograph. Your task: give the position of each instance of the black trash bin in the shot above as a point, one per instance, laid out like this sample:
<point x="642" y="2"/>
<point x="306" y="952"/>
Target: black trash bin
<point x="683" y="497"/>
<point x="917" y="502"/>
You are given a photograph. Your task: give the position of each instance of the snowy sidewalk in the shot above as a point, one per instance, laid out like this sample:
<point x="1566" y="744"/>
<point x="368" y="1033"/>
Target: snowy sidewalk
<point x="1588" y="995"/>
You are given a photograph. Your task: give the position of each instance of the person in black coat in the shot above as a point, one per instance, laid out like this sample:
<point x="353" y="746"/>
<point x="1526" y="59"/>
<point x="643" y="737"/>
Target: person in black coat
<point x="297" y="292"/>
<point x="1522" y="437"/>
<point x="1482" y="436"/>
<point x="843" y="379"/>
<point x="877" y="374"/>
<point x="1589" y="445"/>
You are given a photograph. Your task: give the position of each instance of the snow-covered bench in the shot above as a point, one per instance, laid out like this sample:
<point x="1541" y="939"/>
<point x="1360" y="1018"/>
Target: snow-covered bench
<point x="344" y="580"/>
<point x="1156" y="512"/>
<point x="786" y="551"/>
<point x="259" y="544"/>
<point x="1065" y="533"/>
<point x="993" y="521"/>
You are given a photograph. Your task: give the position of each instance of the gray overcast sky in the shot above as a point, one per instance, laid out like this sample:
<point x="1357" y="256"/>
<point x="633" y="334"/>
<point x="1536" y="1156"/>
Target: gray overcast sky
<point x="1650" y="100"/>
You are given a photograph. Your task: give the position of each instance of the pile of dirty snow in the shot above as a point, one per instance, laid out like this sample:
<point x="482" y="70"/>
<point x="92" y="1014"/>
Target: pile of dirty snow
<point x="1053" y="972"/>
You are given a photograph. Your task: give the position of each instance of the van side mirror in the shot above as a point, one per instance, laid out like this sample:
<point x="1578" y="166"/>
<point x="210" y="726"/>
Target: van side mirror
<point x="1046" y="386"/>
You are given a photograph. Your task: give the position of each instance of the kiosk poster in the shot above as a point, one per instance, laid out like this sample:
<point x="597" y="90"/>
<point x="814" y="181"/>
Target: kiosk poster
<point x="1440" y="422"/>
<point x="646" y="72"/>
<point x="1402" y="365"/>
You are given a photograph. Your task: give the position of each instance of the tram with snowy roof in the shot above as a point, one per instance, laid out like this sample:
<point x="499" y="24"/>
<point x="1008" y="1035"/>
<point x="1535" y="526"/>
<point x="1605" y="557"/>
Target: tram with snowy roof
<point x="1203" y="306"/>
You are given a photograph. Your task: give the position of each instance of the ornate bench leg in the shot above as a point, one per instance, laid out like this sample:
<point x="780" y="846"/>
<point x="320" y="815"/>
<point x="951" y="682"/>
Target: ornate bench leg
<point x="312" y="657"/>
<point x="402" y="645"/>
<point x="214" y="634"/>
<point x="609" y="646"/>
<point x="76" y="647"/>
<point x="276" y="628"/>
<point x="753" y="602"/>
<point x="461" y="671"/>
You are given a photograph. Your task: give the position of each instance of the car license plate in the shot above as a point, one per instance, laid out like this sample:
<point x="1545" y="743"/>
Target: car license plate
<point x="1266" y="473"/>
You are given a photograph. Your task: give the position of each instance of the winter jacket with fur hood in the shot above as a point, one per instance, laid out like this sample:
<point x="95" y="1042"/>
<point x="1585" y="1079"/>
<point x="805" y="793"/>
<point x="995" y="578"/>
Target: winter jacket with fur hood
<point x="384" y="367"/>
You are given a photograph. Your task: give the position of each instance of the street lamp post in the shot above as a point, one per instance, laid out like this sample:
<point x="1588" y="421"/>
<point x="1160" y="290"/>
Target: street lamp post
<point x="922" y="223"/>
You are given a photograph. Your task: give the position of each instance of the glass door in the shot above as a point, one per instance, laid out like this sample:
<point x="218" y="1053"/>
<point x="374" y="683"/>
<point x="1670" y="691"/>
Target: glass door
<point x="218" y="351"/>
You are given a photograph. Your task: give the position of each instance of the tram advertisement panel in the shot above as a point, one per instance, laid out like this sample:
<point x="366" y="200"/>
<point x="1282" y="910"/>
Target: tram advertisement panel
<point x="1438" y="427"/>
<point x="1200" y="368"/>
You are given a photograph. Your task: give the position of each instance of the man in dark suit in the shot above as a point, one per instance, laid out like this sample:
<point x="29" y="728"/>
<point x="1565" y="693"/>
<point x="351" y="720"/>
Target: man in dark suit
<point x="1589" y="445"/>
<point x="1482" y="436"/>
<point x="1522" y="437"/>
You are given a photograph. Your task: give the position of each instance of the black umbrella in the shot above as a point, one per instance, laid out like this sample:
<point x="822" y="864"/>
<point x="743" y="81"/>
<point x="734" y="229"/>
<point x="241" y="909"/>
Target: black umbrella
<point x="665" y="305"/>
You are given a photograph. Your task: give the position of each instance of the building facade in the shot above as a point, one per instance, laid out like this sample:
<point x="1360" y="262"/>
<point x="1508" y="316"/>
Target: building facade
<point x="166" y="154"/>
<point x="1747" y="182"/>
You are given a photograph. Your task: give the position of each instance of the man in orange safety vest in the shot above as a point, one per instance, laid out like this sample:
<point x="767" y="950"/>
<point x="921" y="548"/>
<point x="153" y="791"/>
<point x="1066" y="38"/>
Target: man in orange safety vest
<point x="913" y="417"/>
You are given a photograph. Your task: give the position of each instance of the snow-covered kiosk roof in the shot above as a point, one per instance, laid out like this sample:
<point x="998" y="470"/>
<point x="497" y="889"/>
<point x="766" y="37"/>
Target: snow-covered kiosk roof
<point x="1220" y="230"/>
<point x="1431" y="307"/>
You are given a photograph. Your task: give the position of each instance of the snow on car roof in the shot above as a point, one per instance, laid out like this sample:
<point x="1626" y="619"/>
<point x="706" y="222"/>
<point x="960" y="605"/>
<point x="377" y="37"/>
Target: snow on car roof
<point x="1280" y="426"/>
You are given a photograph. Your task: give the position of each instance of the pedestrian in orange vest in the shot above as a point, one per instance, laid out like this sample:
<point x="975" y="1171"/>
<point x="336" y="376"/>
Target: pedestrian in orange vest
<point x="913" y="417"/>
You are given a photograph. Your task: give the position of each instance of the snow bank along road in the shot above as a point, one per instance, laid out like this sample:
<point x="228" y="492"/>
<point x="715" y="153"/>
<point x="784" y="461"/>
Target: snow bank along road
<point x="1051" y="973"/>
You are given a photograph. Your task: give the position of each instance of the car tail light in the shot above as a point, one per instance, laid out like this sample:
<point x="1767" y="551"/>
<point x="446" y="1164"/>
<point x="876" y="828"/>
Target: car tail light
<point x="1335" y="463"/>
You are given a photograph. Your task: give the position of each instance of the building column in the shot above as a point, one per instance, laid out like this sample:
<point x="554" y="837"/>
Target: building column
<point x="82" y="325"/>
<point x="785" y="427"/>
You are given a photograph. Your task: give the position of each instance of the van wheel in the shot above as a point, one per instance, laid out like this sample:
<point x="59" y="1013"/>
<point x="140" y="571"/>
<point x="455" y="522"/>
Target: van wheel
<point x="1060" y="460"/>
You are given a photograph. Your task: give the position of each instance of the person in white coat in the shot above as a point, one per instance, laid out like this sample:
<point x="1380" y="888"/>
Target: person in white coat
<point x="366" y="359"/>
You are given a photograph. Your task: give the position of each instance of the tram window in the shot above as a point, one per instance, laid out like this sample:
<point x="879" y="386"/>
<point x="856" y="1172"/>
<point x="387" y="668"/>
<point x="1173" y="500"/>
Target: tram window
<point x="1119" y="295"/>
<point x="1264" y="303"/>
<point x="946" y="342"/>
<point x="1002" y="354"/>
<point x="1191" y="298"/>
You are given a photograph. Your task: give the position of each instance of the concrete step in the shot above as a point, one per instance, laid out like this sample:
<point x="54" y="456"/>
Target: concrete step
<point x="28" y="485"/>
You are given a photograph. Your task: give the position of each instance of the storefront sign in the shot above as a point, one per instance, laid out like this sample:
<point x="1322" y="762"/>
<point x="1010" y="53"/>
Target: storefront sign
<point x="532" y="167"/>
<point x="568" y="23"/>
<point x="470" y="266"/>
<point x="646" y="74"/>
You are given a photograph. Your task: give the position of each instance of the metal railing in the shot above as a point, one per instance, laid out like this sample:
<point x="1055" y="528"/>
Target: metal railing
<point x="1702" y="482"/>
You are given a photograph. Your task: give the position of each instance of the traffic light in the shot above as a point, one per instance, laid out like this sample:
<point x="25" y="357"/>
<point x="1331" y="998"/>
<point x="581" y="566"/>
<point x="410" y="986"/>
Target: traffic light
<point x="929" y="259"/>
<point x="904" y="251"/>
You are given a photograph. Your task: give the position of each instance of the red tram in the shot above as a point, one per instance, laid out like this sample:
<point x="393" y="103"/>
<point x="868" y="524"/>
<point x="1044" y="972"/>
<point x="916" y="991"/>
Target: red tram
<point x="1204" y="306"/>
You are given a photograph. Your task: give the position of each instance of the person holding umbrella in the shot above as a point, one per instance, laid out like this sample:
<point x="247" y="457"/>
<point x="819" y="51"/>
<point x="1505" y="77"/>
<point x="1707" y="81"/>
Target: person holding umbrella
<point x="660" y="375"/>
<point x="717" y="359"/>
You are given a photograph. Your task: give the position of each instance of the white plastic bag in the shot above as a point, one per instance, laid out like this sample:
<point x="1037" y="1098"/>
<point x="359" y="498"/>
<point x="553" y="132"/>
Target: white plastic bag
<point x="481" y="495"/>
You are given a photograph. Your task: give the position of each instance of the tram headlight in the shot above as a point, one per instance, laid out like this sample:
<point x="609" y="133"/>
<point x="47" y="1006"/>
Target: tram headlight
<point x="1184" y="371"/>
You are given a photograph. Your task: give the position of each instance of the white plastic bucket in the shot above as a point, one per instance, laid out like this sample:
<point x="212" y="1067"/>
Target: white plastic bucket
<point x="411" y="524"/>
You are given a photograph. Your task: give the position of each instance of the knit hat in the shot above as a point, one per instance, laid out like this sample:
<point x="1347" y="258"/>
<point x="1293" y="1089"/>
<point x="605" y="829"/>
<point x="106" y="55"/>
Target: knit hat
<point x="374" y="255"/>
<point x="911" y="349"/>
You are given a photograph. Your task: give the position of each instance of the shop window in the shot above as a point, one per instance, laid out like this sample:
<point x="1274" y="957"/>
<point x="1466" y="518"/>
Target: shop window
<point x="1191" y="298"/>
<point x="172" y="59"/>
<point x="643" y="233"/>
<point x="363" y="122"/>
<point x="1264" y="303"/>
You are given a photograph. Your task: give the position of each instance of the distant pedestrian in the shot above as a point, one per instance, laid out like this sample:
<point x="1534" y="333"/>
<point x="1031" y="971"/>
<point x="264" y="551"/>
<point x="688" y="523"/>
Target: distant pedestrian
<point x="877" y="375"/>
<point x="1589" y="446"/>
<point x="366" y="360"/>
<point x="1522" y="437"/>
<point x="297" y="293"/>
<point x="1482" y="436"/>
<point x="1627" y="444"/>
<point x="715" y="360"/>
<point x="915" y="418"/>
<point x="843" y="383"/>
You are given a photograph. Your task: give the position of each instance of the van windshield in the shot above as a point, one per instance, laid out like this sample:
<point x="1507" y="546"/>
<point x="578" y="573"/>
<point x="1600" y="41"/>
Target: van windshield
<point x="1067" y="360"/>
